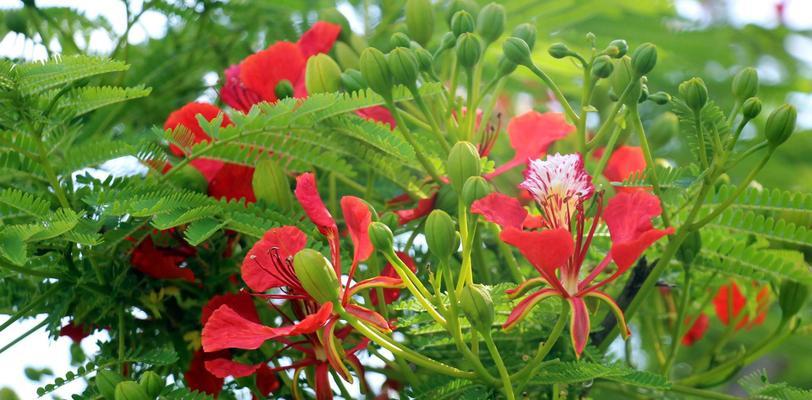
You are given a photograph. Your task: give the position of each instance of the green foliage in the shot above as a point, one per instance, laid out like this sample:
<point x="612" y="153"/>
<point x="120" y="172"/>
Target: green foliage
<point x="758" y="386"/>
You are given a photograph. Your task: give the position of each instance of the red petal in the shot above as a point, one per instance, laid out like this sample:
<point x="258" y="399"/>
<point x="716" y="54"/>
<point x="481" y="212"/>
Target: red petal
<point x="208" y="168"/>
<point x="376" y="320"/>
<point x="696" y="331"/>
<point x="233" y="181"/>
<point x="319" y="38"/>
<point x="242" y="303"/>
<point x="531" y="134"/>
<point x="224" y="367"/>
<point x="323" y="389"/>
<point x="186" y="116"/>
<point x="160" y="263"/>
<point x="235" y="94"/>
<point x="609" y="301"/>
<point x="624" y="161"/>
<point x="358" y="217"/>
<point x="263" y="70"/>
<point x="579" y="324"/>
<point x="500" y="209"/>
<point x="524" y="287"/>
<point x="379" y="114"/>
<point x="546" y="250"/>
<point x="259" y="271"/>
<point x="386" y="282"/>
<point x="308" y="195"/>
<point x="423" y="207"/>
<point x="312" y="322"/>
<point x="626" y="253"/>
<point x="75" y="332"/>
<point x="331" y="349"/>
<point x="628" y="216"/>
<point x="198" y="378"/>
<point x="226" y="329"/>
<point x="520" y="311"/>
<point x="267" y="381"/>
<point x="720" y="302"/>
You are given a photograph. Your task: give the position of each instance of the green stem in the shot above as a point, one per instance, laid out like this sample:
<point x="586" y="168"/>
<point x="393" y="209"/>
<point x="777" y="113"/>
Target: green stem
<point x="421" y="157"/>
<point x="415" y="287"/>
<point x="500" y="365"/>
<point x="556" y="92"/>
<point x="434" y="128"/>
<point x="607" y="151"/>
<point x="676" y="336"/>
<point x="703" y="155"/>
<point x="24" y="335"/>
<point x="466" y="273"/>
<point x="507" y="255"/>
<point x="705" y="394"/>
<point x="29" y="272"/>
<point x="30" y="306"/>
<point x="531" y="367"/>
<point x="121" y="342"/>
<point x="585" y="98"/>
<point x="641" y="134"/>
<point x="610" y="119"/>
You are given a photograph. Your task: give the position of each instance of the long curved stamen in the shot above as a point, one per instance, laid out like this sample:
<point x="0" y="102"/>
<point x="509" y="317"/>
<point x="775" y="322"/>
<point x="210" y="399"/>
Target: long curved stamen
<point x="559" y="184"/>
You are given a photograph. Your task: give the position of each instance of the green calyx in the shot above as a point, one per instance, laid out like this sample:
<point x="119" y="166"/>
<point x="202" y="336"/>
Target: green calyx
<point x="403" y="66"/>
<point x="323" y="74"/>
<point x="463" y="162"/>
<point x="381" y="236"/>
<point x="780" y="124"/>
<point x="477" y="305"/>
<point x="440" y="234"/>
<point x="420" y="20"/>
<point x="317" y="276"/>
<point x="375" y="70"/>
<point x="694" y="93"/>
<point x="644" y="58"/>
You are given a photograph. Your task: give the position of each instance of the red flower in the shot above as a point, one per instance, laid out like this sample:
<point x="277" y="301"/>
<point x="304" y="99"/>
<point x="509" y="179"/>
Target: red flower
<point x="255" y="79"/>
<point x="162" y="262"/>
<point x="186" y="117"/>
<point x="379" y="114"/>
<point x="745" y="314"/>
<point x="561" y="186"/>
<point x="233" y="182"/>
<point x="696" y="331"/>
<point x="75" y="332"/>
<point x="268" y="265"/>
<point x="198" y="378"/>
<point x="531" y="134"/>
<point x="420" y="210"/>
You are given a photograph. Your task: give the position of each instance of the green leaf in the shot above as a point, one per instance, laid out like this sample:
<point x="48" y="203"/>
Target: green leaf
<point x="749" y="222"/>
<point x="83" y="100"/>
<point x="37" y="77"/>
<point x="12" y="247"/>
<point x="197" y="232"/>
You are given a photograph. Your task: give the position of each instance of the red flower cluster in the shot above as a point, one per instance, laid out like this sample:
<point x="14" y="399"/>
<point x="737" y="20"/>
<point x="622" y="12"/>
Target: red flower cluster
<point x="165" y="260"/>
<point x="268" y="266"/>
<point x="731" y="306"/>
<point x="561" y="187"/>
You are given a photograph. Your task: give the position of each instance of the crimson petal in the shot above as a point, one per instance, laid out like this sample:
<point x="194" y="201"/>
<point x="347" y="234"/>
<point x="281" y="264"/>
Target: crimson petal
<point x="259" y="271"/>
<point x="242" y="303"/>
<point x="531" y="134"/>
<point x="500" y="209"/>
<point x="227" y="329"/>
<point x="222" y="367"/>
<point x="319" y="38"/>
<point x="546" y="250"/>
<point x="358" y="217"/>
<point x="628" y="217"/>
<point x="523" y="308"/>
<point x="263" y="70"/>
<point x="579" y="324"/>
<point x="186" y="116"/>
<point x="376" y="320"/>
<point x="623" y="163"/>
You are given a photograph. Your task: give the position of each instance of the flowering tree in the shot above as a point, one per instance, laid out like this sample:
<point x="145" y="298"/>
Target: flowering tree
<point x="353" y="212"/>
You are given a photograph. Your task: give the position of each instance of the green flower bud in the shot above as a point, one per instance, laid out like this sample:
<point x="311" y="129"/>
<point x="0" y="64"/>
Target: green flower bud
<point x="694" y="93"/>
<point x="403" y="66"/>
<point x="475" y="188"/>
<point x="389" y="219"/>
<point x="463" y="22"/>
<point x="317" y="276"/>
<point x="751" y="108"/>
<point x="399" y="39"/>
<point x="491" y="22"/>
<point x="336" y="17"/>
<point x="602" y="67"/>
<point x="420" y="20"/>
<point x="152" y="383"/>
<point x="780" y="124"/>
<point x="469" y="49"/>
<point x="559" y="50"/>
<point x="322" y="75"/>
<point x="469" y="6"/>
<point x="664" y="127"/>
<point x="347" y="57"/>
<point x="424" y="59"/>
<point x="477" y="305"/>
<point x="129" y="390"/>
<point x="526" y="32"/>
<point x="448" y="41"/>
<point x="517" y="51"/>
<point x="463" y="162"/>
<point x="644" y="58"/>
<point x="16" y="22"/>
<point x="358" y="43"/>
<point x="745" y="83"/>
<point x="381" y="236"/>
<point x="440" y="234"/>
<point x="621" y="76"/>
<point x="375" y="71"/>
<point x="505" y="67"/>
<point x="661" y="98"/>
<point x="283" y="89"/>
<point x="617" y="48"/>
<point x="271" y="184"/>
<point x="106" y="382"/>
<point x="791" y="298"/>
<point x="447" y="199"/>
<point x="690" y="248"/>
<point x="353" y="80"/>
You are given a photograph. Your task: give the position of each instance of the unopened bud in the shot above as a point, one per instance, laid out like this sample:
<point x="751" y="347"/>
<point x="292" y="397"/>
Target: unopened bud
<point x="440" y="234"/>
<point x="517" y="51"/>
<point x="617" y="48"/>
<point x="463" y="162"/>
<point x="399" y="39"/>
<point x="420" y="20"/>
<point x="283" y="89"/>
<point x="462" y="22"/>
<point x="644" y="58"/>
<point x="403" y="66"/>
<point x="526" y="32"/>
<point x="780" y="124"/>
<point x="745" y="83"/>
<point x="323" y="75"/>
<point x="469" y="49"/>
<point x="491" y="22"/>
<point x="469" y="6"/>
<point x="424" y="59"/>
<point x="271" y="184"/>
<point x="448" y="41"/>
<point x="602" y="66"/>
<point x="661" y="98"/>
<point x="389" y="219"/>
<point x="317" y="276"/>
<point x="106" y="382"/>
<point x="447" y="199"/>
<point x="694" y="93"/>
<point x="381" y="236"/>
<point x="622" y="76"/>
<point x="152" y="383"/>
<point x="129" y="390"/>
<point x="475" y="188"/>
<point x="791" y="298"/>
<point x="751" y="108"/>
<point x="559" y="50"/>
<point x="347" y="57"/>
<point x="375" y="71"/>
<point x="353" y="80"/>
<point x="690" y="248"/>
<point x="477" y="305"/>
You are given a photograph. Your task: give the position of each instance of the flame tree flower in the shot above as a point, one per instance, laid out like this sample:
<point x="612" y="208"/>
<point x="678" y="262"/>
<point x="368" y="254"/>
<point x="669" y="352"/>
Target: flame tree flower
<point x="562" y="187"/>
<point x="318" y="298"/>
